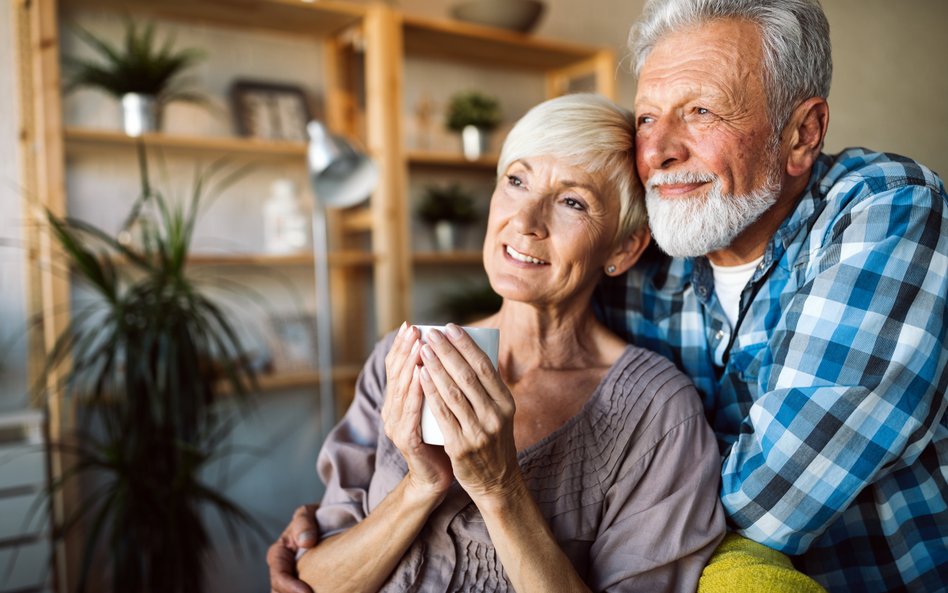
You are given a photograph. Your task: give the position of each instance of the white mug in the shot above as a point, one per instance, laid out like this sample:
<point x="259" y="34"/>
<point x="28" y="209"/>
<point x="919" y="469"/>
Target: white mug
<point x="488" y="340"/>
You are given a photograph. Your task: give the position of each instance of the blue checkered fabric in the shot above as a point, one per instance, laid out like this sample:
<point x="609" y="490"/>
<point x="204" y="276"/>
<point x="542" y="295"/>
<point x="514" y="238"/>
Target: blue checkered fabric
<point x="829" y="398"/>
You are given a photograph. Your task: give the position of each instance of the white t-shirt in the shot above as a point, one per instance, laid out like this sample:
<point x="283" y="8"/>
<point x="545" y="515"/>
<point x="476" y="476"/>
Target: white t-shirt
<point x="729" y="282"/>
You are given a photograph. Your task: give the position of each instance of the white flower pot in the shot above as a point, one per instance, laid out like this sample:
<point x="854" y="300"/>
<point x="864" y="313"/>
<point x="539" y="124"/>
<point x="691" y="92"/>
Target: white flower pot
<point x="140" y="114"/>
<point x="447" y="235"/>
<point x="473" y="142"/>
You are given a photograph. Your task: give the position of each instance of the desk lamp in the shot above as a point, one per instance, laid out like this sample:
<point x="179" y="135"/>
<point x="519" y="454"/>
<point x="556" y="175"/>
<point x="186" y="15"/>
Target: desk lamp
<point x="341" y="177"/>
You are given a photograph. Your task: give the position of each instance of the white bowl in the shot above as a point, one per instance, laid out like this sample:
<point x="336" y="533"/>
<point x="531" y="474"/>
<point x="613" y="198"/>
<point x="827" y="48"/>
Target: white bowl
<point x="514" y="15"/>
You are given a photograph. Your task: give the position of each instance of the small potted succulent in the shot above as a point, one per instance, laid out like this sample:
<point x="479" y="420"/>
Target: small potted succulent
<point x="474" y="115"/>
<point x="446" y="209"/>
<point x="142" y="75"/>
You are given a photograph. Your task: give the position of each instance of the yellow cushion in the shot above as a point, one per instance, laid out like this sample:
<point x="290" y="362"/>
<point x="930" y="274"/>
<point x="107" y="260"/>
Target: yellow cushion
<point x="740" y="565"/>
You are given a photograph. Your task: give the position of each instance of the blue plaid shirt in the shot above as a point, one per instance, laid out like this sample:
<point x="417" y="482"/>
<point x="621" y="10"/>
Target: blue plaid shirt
<point x="829" y="398"/>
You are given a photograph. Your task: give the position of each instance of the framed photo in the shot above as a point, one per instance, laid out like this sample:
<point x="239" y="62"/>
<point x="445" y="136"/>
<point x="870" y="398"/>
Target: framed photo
<point x="269" y="110"/>
<point x="293" y="342"/>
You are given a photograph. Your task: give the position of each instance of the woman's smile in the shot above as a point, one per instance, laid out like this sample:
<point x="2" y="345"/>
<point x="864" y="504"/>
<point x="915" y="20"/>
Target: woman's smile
<point x="523" y="258"/>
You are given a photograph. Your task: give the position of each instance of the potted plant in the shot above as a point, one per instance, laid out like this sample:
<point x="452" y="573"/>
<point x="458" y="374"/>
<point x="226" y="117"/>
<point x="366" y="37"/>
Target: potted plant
<point x="446" y="209"/>
<point x="144" y="363"/>
<point x="474" y="115"/>
<point x="142" y="75"/>
<point x="469" y="303"/>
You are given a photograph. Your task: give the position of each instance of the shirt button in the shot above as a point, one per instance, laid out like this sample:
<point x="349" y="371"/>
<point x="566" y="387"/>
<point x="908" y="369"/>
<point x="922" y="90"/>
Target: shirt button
<point x="760" y="266"/>
<point x="720" y="335"/>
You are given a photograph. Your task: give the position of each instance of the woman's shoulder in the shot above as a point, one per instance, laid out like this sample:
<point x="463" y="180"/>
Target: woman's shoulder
<point x="648" y="382"/>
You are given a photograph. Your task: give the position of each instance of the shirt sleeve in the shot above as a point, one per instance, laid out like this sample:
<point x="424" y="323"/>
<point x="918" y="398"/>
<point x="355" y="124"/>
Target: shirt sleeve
<point x="662" y="517"/>
<point x="855" y="385"/>
<point x="346" y="462"/>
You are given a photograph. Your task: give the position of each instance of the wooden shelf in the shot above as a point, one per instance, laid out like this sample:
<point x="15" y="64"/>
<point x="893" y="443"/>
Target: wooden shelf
<point x="298" y="379"/>
<point x="423" y="158"/>
<point x="469" y="257"/>
<point x="444" y="39"/>
<point x="83" y="138"/>
<point x="310" y="18"/>
<point x="285" y="380"/>
<point x="338" y="258"/>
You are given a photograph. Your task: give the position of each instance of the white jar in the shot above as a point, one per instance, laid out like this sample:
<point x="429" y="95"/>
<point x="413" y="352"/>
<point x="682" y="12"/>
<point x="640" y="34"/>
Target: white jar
<point x="285" y="223"/>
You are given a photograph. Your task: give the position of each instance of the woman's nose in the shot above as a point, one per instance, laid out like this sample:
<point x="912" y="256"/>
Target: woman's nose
<point x="662" y="144"/>
<point x="530" y="217"/>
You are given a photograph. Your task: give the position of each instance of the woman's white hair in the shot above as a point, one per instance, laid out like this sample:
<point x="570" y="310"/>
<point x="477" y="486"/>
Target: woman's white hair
<point x="590" y="132"/>
<point x="798" y="61"/>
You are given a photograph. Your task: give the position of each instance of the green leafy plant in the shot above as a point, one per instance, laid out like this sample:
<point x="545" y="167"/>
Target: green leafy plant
<point x="139" y="66"/>
<point x="145" y="362"/>
<point x="449" y="203"/>
<point x="471" y="108"/>
<point x="469" y="303"/>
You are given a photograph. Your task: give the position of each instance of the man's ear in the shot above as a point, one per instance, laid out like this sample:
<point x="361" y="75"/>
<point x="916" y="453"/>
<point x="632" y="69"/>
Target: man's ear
<point x="628" y="251"/>
<point x="806" y="130"/>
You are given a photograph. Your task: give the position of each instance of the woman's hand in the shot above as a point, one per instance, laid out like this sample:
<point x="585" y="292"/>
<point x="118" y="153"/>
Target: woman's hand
<point x="475" y="411"/>
<point x="429" y="469"/>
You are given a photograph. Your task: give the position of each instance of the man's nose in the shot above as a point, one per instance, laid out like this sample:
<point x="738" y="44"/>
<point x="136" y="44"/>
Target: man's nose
<point x="663" y="144"/>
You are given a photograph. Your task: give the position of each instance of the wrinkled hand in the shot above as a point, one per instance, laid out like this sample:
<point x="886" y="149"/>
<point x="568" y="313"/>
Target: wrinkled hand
<point x="429" y="469"/>
<point x="475" y="411"/>
<point x="281" y="557"/>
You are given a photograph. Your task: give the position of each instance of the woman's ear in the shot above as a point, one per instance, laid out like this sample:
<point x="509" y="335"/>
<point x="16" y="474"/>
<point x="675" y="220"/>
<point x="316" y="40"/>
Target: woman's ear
<point x="628" y="251"/>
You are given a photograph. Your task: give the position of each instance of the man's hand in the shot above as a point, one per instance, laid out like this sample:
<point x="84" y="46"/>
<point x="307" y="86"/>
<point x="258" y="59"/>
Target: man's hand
<point x="281" y="557"/>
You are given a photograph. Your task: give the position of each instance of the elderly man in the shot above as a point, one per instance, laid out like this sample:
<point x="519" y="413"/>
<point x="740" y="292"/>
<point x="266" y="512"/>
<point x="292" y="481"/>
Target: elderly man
<point x="805" y="294"/>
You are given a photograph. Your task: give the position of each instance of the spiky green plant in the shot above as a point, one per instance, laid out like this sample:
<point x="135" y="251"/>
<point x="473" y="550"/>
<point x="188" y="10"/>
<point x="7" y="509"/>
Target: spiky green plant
<point x="139" y="66"/>
<point x="146" y="362"/>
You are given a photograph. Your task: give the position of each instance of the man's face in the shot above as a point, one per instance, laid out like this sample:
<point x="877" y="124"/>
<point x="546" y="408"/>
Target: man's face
<point x="704" y="136"/>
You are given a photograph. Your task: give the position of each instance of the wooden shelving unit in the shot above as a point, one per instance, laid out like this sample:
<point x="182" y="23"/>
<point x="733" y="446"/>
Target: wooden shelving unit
<point x="466" y="258"/>
<point x="286" y="380"/>
<point x="421" y="158"/>
<point x="322" y="18"/>
<point x="352" y="259"/>
<point x="372" y="40"/>
<point x="83" y="139"/>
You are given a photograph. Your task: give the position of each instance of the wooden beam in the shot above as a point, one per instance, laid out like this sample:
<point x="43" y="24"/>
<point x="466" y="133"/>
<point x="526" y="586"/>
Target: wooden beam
<point x="384" y="79"/>
<point x="44" y="176"/>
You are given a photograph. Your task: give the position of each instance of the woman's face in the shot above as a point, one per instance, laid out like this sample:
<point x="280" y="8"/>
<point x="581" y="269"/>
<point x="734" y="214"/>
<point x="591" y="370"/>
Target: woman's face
<point x="550" y="231"/>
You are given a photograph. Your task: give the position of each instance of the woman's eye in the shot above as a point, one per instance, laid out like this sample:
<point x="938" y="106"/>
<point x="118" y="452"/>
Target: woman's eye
<point x="574" y="203"/>
<point x="514" y="181"/>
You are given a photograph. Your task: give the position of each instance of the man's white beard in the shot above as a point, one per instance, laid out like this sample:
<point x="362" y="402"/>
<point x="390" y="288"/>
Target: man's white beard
<point x="690" y="227"/>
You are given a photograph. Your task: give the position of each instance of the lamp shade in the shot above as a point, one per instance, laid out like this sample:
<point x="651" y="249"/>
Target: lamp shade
<point x="341" y="176"/>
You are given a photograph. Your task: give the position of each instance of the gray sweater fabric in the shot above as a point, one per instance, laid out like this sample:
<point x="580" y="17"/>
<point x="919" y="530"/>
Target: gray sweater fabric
<point x="629" y="487"/>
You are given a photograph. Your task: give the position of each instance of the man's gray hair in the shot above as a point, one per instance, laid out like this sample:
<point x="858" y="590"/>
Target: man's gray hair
<point x="590" y="132"/>
<point x="795" y="35"/>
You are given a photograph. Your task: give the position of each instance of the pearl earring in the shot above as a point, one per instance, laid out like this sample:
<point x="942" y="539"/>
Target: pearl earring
<point x="610" y="269"/>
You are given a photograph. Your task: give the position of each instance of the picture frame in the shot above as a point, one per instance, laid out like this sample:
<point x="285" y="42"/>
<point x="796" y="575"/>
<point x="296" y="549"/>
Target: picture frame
<point x="293" y="342"/>
<point x="268" y="110"/>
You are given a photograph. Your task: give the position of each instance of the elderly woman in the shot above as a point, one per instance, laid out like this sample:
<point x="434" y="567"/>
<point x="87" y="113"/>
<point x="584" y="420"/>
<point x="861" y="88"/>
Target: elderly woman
<point x="582" y="463"/>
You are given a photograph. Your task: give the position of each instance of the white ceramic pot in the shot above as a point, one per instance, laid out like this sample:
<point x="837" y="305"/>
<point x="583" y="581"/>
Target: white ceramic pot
<point x="473" y="142"/>
<point x="140" y="114"/>
<point x="446" y="235"/>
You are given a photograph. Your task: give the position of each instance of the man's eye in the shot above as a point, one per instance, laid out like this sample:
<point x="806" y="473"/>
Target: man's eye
<point x="514" y="181"/>
<point x="645" y="119"/>
<point x="701" y="111"/>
